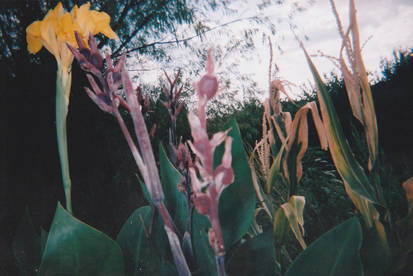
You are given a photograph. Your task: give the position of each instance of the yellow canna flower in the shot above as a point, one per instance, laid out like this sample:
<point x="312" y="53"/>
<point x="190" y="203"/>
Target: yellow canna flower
<point x="58" y="26"/>
<point x="55" y="32"/>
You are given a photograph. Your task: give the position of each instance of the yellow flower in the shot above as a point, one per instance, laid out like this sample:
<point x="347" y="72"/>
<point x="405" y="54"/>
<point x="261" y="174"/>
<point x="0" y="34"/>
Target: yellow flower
<point x="58" y="26"/>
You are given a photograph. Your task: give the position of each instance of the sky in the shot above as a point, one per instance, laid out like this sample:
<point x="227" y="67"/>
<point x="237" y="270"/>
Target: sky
<point x="385" y="26"/>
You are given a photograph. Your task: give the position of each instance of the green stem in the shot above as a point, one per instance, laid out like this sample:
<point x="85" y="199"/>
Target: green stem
<point x="63" y="84"/>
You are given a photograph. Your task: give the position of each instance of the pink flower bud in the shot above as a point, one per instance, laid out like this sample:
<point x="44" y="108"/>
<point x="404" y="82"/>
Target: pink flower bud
<point x="208" y="86"/>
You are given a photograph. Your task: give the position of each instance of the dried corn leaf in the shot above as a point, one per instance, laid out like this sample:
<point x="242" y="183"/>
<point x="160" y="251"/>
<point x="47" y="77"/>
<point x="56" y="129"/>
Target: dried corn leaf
<point x="350" y="170"/>
<point x="298" y="136"/>
<point x="357" y="85"/>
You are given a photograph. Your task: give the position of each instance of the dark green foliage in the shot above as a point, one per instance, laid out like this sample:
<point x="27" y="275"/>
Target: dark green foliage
<point x="248" y="117"/>
<point x="256" y="256"/>
<point x="393" y="97"/>
<point x="26" y="246"/>
<point x="140" y="240"/>
<point x="75" y="248"/>
<point x="174" y="199"/>
<point x="334" y="253"/>
<point x="324" y="192"/>
<point x="375" y="255"/>
<point x="202" y="250"/>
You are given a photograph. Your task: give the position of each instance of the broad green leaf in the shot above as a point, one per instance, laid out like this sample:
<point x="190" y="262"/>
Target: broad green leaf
<point x="174" y="199"/>
<point x="26" y="246"/>
<point x="139" y="254"/>
<point x="144" y="245"/>
<point x="375" y="252"/>
<point x="337" y="253"/>
<point x="204" y="253"/>
<point x="75" y="248"/>
<point x="237" y="202"/>
<point x="350" y="170"/>
<point x="255" y="257"/>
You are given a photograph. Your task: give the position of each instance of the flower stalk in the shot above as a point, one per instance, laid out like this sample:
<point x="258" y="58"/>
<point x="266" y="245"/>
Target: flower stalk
<point x="55" y="32"/>
<point x="63" y="84"/>
<point x="207" y="189"/>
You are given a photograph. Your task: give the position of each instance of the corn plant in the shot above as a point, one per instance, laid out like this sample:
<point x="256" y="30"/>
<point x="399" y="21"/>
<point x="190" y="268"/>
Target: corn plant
<point x="362" y="183"/>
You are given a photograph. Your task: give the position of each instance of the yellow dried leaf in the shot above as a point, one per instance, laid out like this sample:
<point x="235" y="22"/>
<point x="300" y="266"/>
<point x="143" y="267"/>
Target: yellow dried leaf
<point x="294" y="212"/>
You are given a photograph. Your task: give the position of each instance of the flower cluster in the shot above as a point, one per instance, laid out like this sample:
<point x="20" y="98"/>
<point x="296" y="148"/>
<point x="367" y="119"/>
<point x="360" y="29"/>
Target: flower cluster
<point x="58" y="26"/>
<point x="207" y="188"/>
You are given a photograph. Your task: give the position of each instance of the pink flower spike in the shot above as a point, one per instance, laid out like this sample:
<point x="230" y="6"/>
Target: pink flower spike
<point x="208" y="85"/>
<point x="196" y="184"/>
<point x="224" y="174"/>
<point x="109" y="62"/>
<point x="197" y="131"/>
<point x="210" y="63"/>
<point x="218" y="138"/>
<point x="227" y="158"/>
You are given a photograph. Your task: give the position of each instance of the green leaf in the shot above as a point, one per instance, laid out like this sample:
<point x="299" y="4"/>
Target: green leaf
<point x="43" y="239"/>
<point x="75" y="248"/>
<point x="337" y="252"/>
<point x="143" y="245"/>
<point x="26" y="246"/>
<point x="174" y="199"/>
<point x="204" y="253"/>
<point x="375" y="252"/>
<point x="350" y="170"/>
<point x="255" y="257"/>
<point x="144" y="191"/>
<point x="237" y="202"/>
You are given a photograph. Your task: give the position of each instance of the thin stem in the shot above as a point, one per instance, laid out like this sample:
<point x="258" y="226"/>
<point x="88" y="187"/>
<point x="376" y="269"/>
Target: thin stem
<point x="218" y="243"/>
<point x="154" y="183"/>
<point x="131" y="144"/>
<point x="220" y="259"/>
<point x="63" y="84"/>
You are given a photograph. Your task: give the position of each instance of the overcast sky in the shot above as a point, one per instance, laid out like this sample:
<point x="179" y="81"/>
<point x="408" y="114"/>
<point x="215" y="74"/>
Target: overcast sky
<point x="388" y="24"/>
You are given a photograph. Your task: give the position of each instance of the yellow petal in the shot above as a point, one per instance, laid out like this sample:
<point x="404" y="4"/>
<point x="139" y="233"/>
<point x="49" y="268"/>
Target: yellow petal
<point x="66" y="30"/>
<point x="74" y="11"/>
<point x="34" y="44"/>
<point x="101" y="22"/>
<point x="54" y="14"/>
<point x="82" y="18"/>
<point x="34" y="28"/>
<point x="48" y="36"/>
<point x="84" y="9"/>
